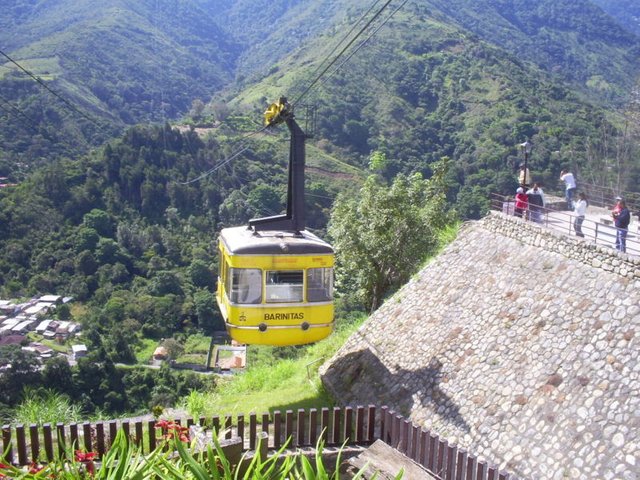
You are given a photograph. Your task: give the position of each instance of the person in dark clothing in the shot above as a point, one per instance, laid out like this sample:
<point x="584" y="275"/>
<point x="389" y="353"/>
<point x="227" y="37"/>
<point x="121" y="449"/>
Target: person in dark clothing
<point x="622" y="218"/>
<point x="536" y="202"/>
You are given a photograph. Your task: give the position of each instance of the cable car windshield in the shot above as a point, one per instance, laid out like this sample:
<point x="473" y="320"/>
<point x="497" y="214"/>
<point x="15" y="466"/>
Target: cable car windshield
<point x="246" y="285"/>
<point x="319" y="284"/>
<point x="284" y="286"/>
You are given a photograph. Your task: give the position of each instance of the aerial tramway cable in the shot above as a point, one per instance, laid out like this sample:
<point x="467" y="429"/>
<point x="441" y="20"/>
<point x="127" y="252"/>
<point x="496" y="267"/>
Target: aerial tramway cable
<point x="361" y="44"/>
<point x="312" y="84"/>
<point x="318" y="77"/>
<point x="50" y="90"/>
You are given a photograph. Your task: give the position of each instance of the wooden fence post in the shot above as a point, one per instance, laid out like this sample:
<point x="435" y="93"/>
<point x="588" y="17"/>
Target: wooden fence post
<point x="21" y="440"/>
<point x="313" y="427"/>
<point x="253" y="427"/>
<point x="73" y="436"/>
<point x="48" y="441"/>
<point x="288" y="429"/>
<point x="277" y="429"/>
<point x="240" y="428"/>
<point x="360" y="424"/>
<point x="62" y="441"/>
<point x="300" y="427"/>
<point x="371" y="424"/>
<point x="34" y="438"/>
<point x="348" y="426"/>
<point x="324" y="424"/>
<point x="100" y="444"/>
<point x="335" y="428"/>
<point x="7" y="447"/>
<point x="87" y="433"/>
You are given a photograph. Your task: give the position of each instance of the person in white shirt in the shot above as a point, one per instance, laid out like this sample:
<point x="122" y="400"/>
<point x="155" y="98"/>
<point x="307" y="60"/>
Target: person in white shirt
<point x="580" y="210"/>
<point x="570" y="187"/>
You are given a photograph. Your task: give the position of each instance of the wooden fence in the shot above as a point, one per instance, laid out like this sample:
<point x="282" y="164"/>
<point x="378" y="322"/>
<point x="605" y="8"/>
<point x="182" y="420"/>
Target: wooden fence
<point x="349" y="426"/>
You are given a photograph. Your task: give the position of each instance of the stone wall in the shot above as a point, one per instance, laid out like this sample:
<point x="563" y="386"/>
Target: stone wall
<point x="516" y="343"/>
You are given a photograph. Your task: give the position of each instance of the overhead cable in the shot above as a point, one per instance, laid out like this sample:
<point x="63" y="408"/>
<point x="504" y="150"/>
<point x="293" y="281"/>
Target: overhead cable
<point x="347" y="35"/>
<point x="343" y="51"/>
<point x="363" y="42"/>
<point x="53" y="92"/>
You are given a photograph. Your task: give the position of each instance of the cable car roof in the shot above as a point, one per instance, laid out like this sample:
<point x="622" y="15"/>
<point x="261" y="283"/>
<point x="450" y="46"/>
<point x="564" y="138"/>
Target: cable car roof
<point x="244" y="241"/>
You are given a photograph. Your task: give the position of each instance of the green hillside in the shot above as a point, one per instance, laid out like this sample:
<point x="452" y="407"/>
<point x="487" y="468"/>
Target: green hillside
<point x="626" y="12"/>
<point x="118" y="62"/>
<point x="423" y="88"/>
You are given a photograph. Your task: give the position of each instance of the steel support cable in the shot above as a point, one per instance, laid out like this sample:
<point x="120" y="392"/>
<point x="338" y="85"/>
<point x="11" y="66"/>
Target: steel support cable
<point x="226" y="160"/>
<point x="378" y="13"/>
<point x="348" y="34"/>
<point x="15" y="109"/>
<point x="362" y="43"/>
<point x="53" y="92"/>
<point x="216" y="167"/>
<point x="363" y="29"/>
<point x="30" y="122"/>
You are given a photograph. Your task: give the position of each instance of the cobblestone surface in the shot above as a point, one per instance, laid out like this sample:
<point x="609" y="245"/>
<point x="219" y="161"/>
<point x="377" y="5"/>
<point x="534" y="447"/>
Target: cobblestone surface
<point x="516" y="343"/>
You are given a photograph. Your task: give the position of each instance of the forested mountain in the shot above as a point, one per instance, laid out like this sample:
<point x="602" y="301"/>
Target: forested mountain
<point x="117" y="62"/>
<point x="626" y="12"/>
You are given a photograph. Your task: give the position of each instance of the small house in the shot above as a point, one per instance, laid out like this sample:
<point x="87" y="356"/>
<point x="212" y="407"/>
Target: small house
<point x="42" y="326"/>
<point x="79" y="351"/>
<point x="50" y="299"/>
<point x="160" y="353"/>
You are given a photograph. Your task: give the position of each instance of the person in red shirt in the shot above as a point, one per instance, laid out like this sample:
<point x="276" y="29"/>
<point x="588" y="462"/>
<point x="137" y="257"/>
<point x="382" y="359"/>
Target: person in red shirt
<point x="522" y="202"/>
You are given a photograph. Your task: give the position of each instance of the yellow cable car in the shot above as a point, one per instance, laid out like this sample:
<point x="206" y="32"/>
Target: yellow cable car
<point x="275" y="288"/>
<point x="275" y="284"/>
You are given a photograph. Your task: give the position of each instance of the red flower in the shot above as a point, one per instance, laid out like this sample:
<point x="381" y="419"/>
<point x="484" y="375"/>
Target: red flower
<point x="85" y="456"/>
<point x="35" y="468"/>
<point x="163" y="424"/>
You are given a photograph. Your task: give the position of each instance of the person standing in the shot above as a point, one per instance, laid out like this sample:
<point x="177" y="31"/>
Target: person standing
<point x="580" y="210"/>
<point x="621" y="218"/>
<point x="522" y="202"/>
<point x="523" y="176"/>
<point x="616" y="208"/>
<point x="570" y="187"/>
<point x="535" y="196"/>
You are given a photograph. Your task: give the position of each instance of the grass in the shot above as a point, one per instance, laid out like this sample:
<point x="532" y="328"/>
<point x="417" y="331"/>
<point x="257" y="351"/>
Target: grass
<point x="286" y="384"/>
<point x="197" y="344"/>
<point x="197" y="358"/>
<point x="144" y="352"/>
<point x="46" y="407"/>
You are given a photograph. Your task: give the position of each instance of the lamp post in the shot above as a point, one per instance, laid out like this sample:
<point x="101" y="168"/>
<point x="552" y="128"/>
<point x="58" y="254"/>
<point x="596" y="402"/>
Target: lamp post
<point x="526" y="148"/>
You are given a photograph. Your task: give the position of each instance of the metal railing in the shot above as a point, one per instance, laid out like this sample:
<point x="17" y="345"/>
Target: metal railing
<point x="604" y="197"/>
<point x="601" y="232"/>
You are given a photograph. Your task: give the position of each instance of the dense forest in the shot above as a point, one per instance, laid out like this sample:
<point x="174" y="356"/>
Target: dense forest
<point x="126" y="165"/>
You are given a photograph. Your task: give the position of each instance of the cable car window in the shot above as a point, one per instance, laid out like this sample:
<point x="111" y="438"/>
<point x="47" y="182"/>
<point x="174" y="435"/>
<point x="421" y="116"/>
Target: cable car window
<point x="284" y="286"/>
<point x="246" y="285"/>
<point x="319" y="284"/>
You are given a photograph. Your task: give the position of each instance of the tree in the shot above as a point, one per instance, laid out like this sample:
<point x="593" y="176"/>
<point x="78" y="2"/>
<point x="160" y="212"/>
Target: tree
<point x="99" y="221"/>
<point x="22" y="369"/>
<point x="382" y="237"/>
<point x="57" y="375"/>
<point x="206" y="310"/>
<point x="201" y="274"/>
